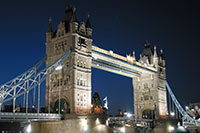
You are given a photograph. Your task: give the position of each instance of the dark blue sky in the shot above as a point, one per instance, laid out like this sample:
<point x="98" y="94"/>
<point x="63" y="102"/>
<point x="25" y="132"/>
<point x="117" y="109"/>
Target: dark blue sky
<point x="122" y="26"/>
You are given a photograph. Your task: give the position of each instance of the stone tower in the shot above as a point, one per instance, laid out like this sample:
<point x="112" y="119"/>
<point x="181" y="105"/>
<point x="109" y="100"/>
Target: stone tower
<point x="72" y="83"/>
<point x="150" y="100"/>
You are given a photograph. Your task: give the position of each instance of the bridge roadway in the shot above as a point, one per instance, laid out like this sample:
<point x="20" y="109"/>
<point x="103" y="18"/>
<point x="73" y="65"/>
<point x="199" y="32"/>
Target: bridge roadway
<point x="112" y="62"/>
<point x="29" y="116"/>
<point x="132" y="122"/>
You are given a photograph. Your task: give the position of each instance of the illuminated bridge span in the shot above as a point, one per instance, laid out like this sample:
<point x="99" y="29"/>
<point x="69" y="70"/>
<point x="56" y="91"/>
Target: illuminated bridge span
<point x="31" y="80"/>
<point x="112" y="62"/>
<point x="66" y="78"/>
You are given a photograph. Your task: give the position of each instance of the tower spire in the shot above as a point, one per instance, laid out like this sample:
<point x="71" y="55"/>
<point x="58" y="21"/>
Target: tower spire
<point x="50" y="29"/>
<point x="155" y="53"/>
<point x="161" y="53"/>
<point x="88" y="24"/>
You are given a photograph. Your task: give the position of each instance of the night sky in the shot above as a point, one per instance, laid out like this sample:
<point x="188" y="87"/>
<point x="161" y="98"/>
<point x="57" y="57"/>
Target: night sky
<point x="121" y="26"/>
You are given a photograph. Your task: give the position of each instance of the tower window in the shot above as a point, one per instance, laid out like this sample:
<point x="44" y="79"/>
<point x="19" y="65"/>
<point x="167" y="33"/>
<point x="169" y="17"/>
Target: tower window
<point x="146" y="97"/>
<point x="82" y="41"/>
<point x="145" y="85"/>
<point x="65" y="82"/>
<point x="151" y="97"/>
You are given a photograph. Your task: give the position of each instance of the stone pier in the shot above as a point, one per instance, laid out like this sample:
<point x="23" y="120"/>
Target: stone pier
<point x="73" y="124"/>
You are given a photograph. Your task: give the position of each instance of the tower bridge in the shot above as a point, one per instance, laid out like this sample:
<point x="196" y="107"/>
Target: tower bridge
<point x="70" y="56"/>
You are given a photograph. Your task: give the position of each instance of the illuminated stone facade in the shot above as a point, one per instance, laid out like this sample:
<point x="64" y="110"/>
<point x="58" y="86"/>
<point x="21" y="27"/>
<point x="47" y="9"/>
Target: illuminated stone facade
<point x="72" y="84"/>
<point x="150" y="89"/>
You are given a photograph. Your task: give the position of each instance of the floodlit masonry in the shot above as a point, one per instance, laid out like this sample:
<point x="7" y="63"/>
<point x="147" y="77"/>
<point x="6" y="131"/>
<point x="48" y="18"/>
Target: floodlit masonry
<point x="69" y="89"/>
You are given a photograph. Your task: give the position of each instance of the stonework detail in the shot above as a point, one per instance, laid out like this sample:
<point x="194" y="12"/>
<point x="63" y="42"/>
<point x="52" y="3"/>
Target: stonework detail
<point x="72" y="84"/>
<point x="150" y="89"/>
<point x="73" y="81"/>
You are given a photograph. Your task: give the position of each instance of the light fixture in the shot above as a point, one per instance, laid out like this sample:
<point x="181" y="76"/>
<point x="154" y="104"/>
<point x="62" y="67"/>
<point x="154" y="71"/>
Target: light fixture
<point x="129" y="115"/>
<point x="111" y="52"/>
<point x="172" y="114"/>
<point x="59" y="67"/>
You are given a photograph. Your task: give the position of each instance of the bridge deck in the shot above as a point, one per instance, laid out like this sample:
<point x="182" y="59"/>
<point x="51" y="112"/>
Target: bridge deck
<point x="112" y="62"/>
<point x="29" y="116"/>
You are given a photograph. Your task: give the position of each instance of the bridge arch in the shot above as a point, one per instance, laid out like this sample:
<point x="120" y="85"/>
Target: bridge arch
<point x="148" y="114"/>
<point x="64" y="106"/>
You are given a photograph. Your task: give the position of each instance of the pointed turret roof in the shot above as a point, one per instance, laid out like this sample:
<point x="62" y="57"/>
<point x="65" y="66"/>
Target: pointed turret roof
<point x="50" y="29"/>
<point x="161" y="54"/>
<point x="147" y="50"/>
<point x="88" y="24"/>
<point x="70" y="15"/>
<point x="155" y="53"/>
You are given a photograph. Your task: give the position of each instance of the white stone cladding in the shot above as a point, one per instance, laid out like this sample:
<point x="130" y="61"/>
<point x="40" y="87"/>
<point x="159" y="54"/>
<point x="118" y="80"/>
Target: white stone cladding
<point x="74" y="80"/>
<point x="150" y="89"/>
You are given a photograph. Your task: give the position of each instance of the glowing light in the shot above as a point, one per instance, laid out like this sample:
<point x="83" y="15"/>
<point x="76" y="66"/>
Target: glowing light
<point x="125" y="113"/>
<point x="28" y="128"/>
<point x="129" y="115"/>
<point x="171" y="128"/>
<point x="58" y="67"/>
<point x="122" y="129"/>
<point x="95" y="57"/>
<point x="97" y="121"/>
<point x="111" y="52"/>
<point x="84" y="123"/>
<point x="186" y="107"/>
<point x="172" y="114"/>
<point x="107" y="122"/>
<point x="85" y="128"/>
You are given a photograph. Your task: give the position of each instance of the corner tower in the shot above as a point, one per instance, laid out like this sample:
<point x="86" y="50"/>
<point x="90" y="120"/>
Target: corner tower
<point x="69" y="90"/>
<point x="150" y="100"/>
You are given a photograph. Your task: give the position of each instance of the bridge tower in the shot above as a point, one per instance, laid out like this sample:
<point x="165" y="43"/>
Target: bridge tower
<point x="68" y="90"/>
<point x="149" y="89"/>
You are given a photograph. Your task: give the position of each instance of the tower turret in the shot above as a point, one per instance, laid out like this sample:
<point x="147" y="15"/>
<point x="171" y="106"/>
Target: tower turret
<point x="134" y="59"/>
<point x="71" y="86"/>
<point x="147" y="54"/>
<point x="49" y="32"/>
<point x="150" y="89"/>
<point x="88" y="27"/>
<point x="155" y="57"/>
